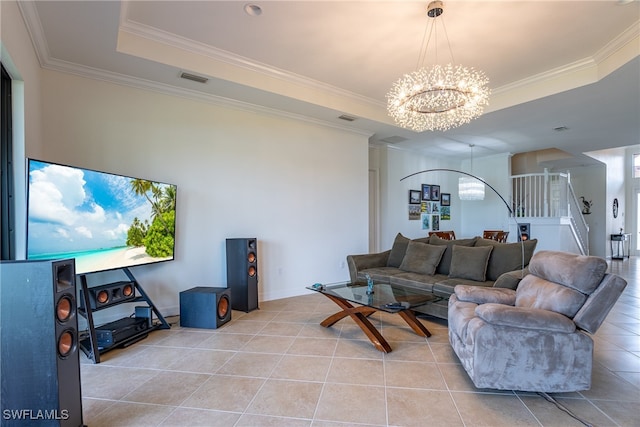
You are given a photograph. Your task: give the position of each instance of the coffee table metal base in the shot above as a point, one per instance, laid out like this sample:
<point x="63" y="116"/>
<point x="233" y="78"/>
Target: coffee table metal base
<point x="360" y="315"/>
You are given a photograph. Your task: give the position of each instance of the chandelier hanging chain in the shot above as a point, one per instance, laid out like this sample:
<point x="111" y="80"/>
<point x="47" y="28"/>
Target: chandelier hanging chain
<point x="446" y="36"/>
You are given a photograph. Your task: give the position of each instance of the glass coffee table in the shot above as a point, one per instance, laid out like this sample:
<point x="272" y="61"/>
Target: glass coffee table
<point x="385" y="297"/>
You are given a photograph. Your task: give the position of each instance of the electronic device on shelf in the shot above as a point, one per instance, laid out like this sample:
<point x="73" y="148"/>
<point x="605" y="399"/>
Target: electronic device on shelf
<point x="117" y="332"/>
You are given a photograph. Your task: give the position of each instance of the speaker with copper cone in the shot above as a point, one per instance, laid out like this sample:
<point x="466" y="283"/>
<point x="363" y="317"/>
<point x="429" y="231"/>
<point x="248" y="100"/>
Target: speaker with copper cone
<point x="205" y="307"/>
<point x="107" y="295"/>
<point x="242" y="273"/>
<point x="40" y="364"/>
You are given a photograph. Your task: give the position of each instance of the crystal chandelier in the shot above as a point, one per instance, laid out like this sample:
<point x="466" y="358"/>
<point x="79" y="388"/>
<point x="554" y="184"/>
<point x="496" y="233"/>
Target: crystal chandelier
<point x="440" y="97"/>
<point x="470" y="188"/>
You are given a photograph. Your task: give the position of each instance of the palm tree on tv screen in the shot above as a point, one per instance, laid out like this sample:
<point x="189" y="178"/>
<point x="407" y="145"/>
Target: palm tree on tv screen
<point x="158" y="238"/>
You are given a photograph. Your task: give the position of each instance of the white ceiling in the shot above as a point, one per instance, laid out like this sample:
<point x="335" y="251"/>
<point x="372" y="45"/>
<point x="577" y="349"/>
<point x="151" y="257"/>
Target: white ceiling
<point x="550" y="63"/>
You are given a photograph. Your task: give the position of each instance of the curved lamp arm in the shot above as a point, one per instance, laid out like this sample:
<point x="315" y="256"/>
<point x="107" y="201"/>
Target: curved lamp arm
<point x="464" y="173"/>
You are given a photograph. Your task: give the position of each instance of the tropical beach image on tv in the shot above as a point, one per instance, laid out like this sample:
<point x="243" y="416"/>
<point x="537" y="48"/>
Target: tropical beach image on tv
<point x="104" y="221"/>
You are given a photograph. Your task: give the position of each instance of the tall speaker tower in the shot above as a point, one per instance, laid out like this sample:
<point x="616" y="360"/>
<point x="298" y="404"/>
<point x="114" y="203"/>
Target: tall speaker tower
<point x="242" y="273"/>
<point x="40" y="366"/>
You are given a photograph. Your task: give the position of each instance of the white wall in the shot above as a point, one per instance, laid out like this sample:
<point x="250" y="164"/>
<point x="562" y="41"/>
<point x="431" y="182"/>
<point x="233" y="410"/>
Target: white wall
<point x="19" y="58"/>
<point x="490" y="213"/>
<point x="468" y="218"/>
<point x="615" y="179"/>
<point x="553" y="234"/>
<point x="298" y="187"/>
<point x="632" y="189"/>
<point x="590" y="183"/>
<point x="394" y="164"/>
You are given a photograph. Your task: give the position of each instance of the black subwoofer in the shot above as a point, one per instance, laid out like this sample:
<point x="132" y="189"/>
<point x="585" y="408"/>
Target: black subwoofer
<point x="205" y="307"/>
<point x="242" y="273"/>
<point x="40" y="366"/>
<point x="109" y="294"/>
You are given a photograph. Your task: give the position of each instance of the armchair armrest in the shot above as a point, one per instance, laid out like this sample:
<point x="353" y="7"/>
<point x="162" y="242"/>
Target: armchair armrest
<point x="525" y="318"/>
<point x="511" y="279"/>
<point x="361" y="262"/>
<point x="482" y="295"/>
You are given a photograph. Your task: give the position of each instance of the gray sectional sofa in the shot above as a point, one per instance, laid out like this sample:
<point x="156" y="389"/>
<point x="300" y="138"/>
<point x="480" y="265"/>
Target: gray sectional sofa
<point x="436" y="265"/>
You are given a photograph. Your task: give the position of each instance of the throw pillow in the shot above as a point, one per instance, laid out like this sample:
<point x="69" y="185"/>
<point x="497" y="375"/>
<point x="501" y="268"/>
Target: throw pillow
<point x="470" y="262"/>
<point x="445" y="262"/>
<point x="422" y="258"/>
<point x="398" y="250"/>
<point x="507" y="256"/>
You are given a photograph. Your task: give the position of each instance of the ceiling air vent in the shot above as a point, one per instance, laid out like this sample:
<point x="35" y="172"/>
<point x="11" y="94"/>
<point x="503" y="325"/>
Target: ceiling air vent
<point x="193" y="77"/>
<point x="347" y="118"/>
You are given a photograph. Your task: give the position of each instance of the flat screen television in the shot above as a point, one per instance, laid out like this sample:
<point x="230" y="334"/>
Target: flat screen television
<point x="103" y="220"/>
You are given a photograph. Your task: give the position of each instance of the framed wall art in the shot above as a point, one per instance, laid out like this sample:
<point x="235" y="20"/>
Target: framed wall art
<point x="426" y="192"/>
<point x="414" y="197"/>
<point x="414" y="212"/>
<point x="435" y="192"/>
<point x="424" y="219"/>
<point x="445" y="199"/>
<point x="445" y="213"/>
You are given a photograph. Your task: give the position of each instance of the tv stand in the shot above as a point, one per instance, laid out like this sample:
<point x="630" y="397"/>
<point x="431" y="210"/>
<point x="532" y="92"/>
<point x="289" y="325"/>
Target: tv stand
<point x="134" y="332"/>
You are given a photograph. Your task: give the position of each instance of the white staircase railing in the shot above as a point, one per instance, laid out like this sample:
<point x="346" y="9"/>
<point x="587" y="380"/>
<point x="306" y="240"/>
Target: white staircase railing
<point x="543" y="195"/>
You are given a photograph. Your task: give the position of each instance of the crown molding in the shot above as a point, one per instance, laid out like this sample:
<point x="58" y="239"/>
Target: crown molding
<point x="165" y="89"/>
<point x="630" y="36"/>
<point x="35" y="30"/>
<point x="219" y="55"/>
<point x="620" y="50"/>
<point x="611" y="49"/>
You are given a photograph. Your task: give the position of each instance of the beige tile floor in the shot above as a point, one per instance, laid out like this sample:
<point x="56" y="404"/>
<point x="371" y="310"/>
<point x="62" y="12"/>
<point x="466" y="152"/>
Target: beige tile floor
<point x="278" y="367"/>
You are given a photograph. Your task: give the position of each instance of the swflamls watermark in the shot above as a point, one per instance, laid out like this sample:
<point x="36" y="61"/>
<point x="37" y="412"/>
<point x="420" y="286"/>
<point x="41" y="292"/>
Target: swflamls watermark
<point x="35" y="414"/>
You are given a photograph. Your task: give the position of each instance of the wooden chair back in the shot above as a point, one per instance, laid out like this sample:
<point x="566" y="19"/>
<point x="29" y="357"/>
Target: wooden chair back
<point x="447" y="235"/>
<point x="498" y="235"/>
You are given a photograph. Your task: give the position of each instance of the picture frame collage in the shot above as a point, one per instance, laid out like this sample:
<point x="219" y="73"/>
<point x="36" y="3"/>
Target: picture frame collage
<point x="429" y="206"/>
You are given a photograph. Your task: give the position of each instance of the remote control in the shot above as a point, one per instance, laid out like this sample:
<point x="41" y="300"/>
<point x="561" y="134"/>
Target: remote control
<point x="394" y="305"/>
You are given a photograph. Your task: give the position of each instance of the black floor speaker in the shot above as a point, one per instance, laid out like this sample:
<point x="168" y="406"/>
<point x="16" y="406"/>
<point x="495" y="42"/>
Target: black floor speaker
<point x="40" y="366"/>
<point x="524" y="231"/>
<point x="242" y="273"/>
<point x="205" y="307"/>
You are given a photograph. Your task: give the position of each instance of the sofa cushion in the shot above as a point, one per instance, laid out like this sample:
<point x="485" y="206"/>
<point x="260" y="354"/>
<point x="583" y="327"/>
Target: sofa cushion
<point x="507" y="257"/>
<point x="422" y="258"/>
<point x="536" y="292"/>
<point x="579" y="272"/>
<point x="398" y="250"/>
<point x="445" y="262"/>
<point x="470" y="262"/>
<point x="413" y="280"/>
<point x="378" y="274"/>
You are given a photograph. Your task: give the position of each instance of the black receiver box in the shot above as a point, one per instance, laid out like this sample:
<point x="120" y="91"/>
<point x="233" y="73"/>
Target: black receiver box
<point x="114" y="333"/>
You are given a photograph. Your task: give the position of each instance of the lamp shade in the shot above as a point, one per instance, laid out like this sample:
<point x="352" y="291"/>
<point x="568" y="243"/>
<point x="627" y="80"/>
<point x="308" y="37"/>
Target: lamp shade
<point x="470" y="188"/>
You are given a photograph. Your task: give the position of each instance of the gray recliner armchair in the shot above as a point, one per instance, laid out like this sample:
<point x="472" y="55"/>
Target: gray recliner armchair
<point x="535" y="338"/>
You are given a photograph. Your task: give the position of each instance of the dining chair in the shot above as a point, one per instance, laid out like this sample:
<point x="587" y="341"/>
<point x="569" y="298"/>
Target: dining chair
<point x="490" y="234"/>
<point x="447" y="235"/>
